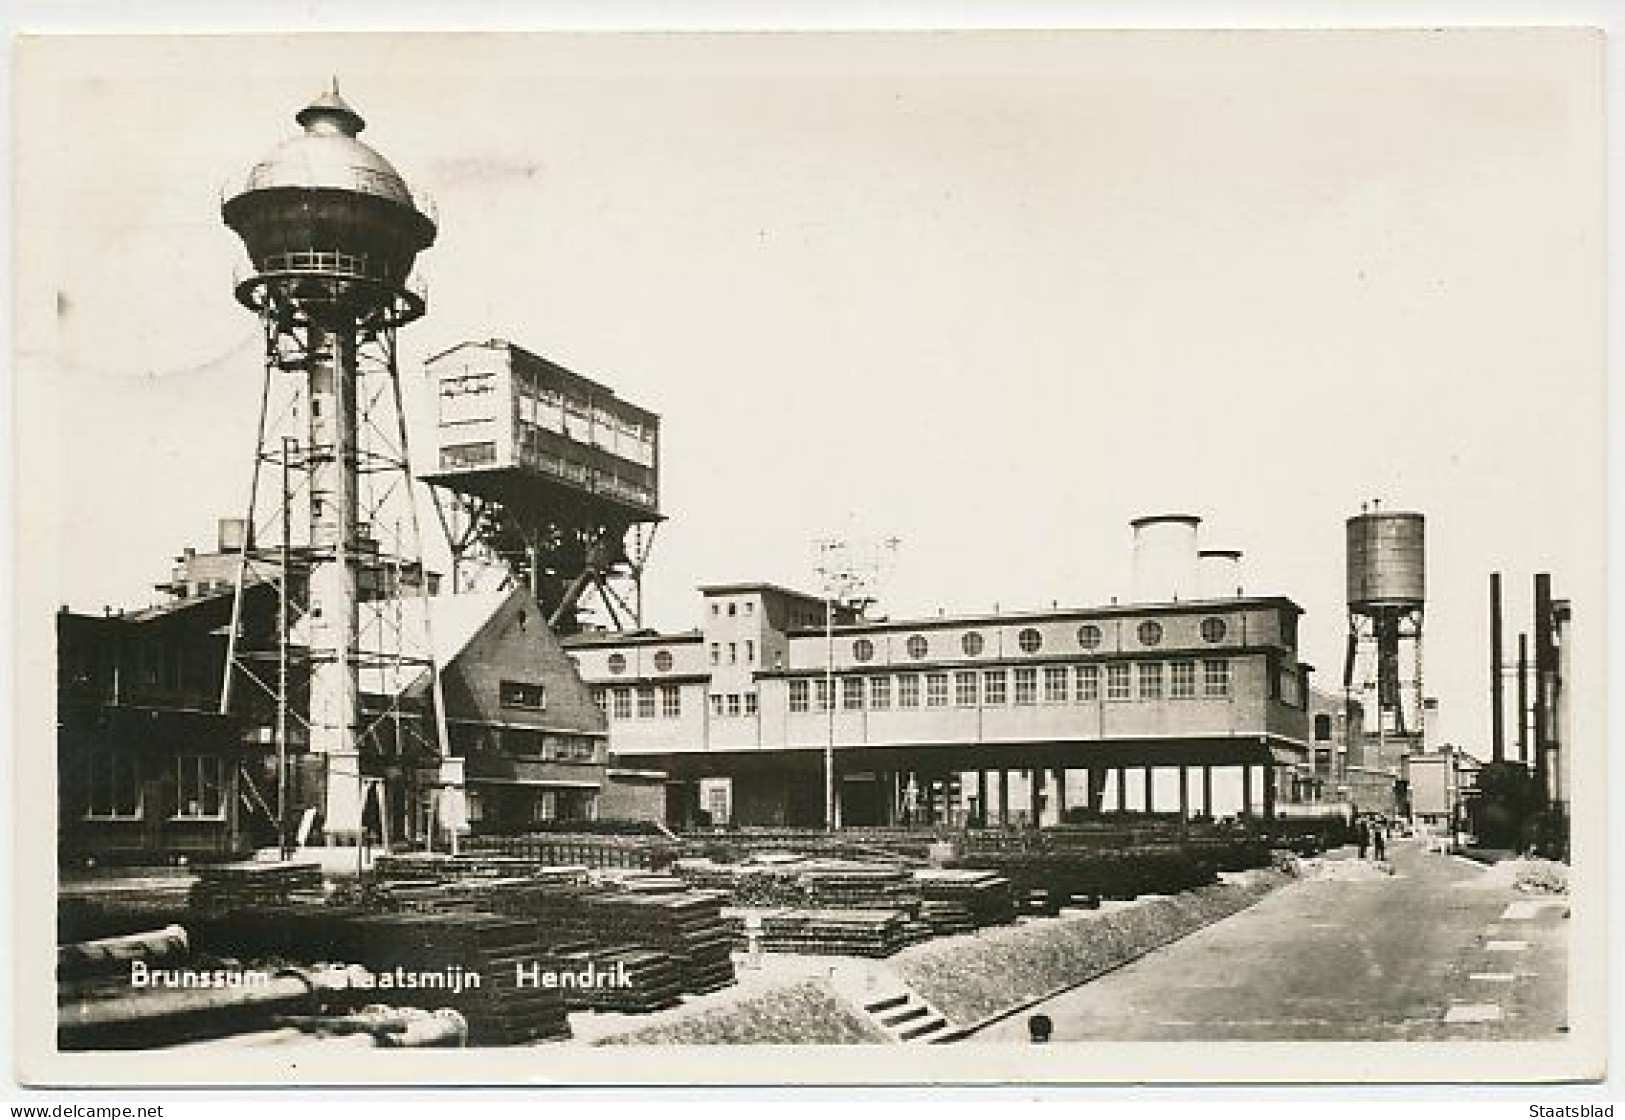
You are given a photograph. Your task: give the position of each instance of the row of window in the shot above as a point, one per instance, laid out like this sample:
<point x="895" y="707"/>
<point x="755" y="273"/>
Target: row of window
<point x="114" y="789"/>
<point x="1052" y="684"/>
<point x="728" y="704"/>
<point x="618" y="703"/>
<point x="1031" y="640"/>
<point x="663" y="660"/>
<point x="733" y="652"/>
<point x="521" y="742"/>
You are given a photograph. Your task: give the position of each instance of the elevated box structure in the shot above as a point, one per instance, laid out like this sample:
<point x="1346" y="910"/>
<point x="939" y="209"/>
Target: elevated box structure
<point x="543" y="474"/>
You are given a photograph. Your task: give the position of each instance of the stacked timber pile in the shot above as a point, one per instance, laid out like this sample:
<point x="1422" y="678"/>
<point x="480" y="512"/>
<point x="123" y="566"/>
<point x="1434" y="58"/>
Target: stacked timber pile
<point x="230" y="886"/>
<point x="652" y="980"/>
<point x="687" y="925"/>
<point x="853" y="885"/>
<point x="444" y="867"/>
<point x="661" y="913"/>
<point x="956" y="901"/>
<point x="1055" y="878"/>
<point x="856" y="933"/>
<point x="818" y="883"/>
<point x="593" y="850"/>
<point x="438" y="949"/>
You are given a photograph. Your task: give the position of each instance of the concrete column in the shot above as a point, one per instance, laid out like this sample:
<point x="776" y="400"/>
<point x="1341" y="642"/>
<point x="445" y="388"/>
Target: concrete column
<point x="1269" y="793"/>
<point x="1247" y="790"/>
<point x="1004" y="798"/>
<point x="1207" y="790"/>
<point x="1150" y="791"/>
<point x="1060" y="795"/>
<point x="981" y="798"/>
<point x="1184" y="795"/>
<point x="1122" y="788"/>
<point x="1097" y="789"/>
<point x="1035" y="793"/>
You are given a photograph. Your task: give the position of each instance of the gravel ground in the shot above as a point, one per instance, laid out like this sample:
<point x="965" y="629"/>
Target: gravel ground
<point x="971" y="977"/>
<point x="807" y="1012"/>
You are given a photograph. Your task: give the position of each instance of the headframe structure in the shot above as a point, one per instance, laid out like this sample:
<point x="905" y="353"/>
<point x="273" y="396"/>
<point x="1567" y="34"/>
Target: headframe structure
<point x="545" y="477"/>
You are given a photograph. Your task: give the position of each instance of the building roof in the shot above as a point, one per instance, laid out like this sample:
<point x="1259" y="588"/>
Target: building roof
<point x="453" y="622"/>
<point x="328" y="155"/>
<point x="771" y="588"/>
<point x="1112" y="610"/>
<point x="630" y="638"/>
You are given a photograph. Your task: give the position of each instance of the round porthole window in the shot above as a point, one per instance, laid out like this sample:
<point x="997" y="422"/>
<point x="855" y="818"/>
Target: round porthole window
<point x="617" y="663"/>
<point x="1089" y="636"/>
<point x="663" y="661"/>
<point x="1213" y="629"/>
<point x="972" y="644"/>
<point x="1030" y="640"/>
<point x="917" y="646"/>
<point x="863" y="650"/>
<point x="1150" y="633"/>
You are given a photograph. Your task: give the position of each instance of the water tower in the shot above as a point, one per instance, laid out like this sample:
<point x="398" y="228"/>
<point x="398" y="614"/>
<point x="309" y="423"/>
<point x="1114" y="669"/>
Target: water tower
<point x="332" y="232"/>
<point x="1386" y="590"/>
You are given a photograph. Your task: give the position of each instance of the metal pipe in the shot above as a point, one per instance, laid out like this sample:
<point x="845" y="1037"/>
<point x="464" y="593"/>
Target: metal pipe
<point x="144" y="1018"/>
<point x="1497" y="687"/>
<point x="110" y="954"/>
<point x="1543" y="672"/>
<point x="1523" y="699"/>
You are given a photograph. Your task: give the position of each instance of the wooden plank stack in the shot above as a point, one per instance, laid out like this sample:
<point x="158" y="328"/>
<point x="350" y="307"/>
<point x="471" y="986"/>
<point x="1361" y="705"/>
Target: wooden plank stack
<point x="654" y="979"/>
<point x="500" y="1012"/>
<point x="856" y="933"/>
<point x="229" y="886"/>
<point x="956" y="900"/>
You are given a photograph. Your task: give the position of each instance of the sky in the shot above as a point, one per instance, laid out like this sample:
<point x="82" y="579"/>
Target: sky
<point x="992" y="295"/>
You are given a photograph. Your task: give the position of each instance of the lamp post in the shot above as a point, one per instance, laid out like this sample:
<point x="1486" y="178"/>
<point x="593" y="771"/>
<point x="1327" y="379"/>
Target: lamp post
<point x="843" y="579"/>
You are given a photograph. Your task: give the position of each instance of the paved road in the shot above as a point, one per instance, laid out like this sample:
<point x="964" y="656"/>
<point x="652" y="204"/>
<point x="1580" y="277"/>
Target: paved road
<point x="1432" y="952"/>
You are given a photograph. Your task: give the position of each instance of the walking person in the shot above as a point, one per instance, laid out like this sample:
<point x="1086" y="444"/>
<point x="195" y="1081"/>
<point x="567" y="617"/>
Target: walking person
<point x="1379" y="843"/>
<point x="1362" y="836"/>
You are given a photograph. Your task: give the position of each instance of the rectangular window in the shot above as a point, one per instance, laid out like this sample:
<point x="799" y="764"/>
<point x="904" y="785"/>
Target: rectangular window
<point x="1117" y="682"/>
<point x="1088" y="690"/>
<point x="719" y="705"/>
<point x="908" y="690"/>
<point x="716" y="653"/>
<point x="880" y="693"/>
<point x="733" y="704"/>
<point x="1216" y="677"/>
<point x="1182" y="679"/>
<point x="936" y="690"/>
<point x="600" y="696"/>
<point x="519" y="694"/>
<point x="114" y="785"/>
<point x="671" y="701"/>
<point x="965" y="690"/>
<point x="646" y="702"/>
<point x="733" y="653"/>
<point x="1151" y="680"/>
<point x="798" y="696"/>
<point x="199" y="782"/>
<point x="1055" y="684"/>
<point x="993" y="682"/>
<point x="623" y="703"/>
<point x="750" y="653"/>
<point x="750" y="703"/>
<point x="821" y="689"/>
<point x="522" y="742"/>
<point x="852" y="693"/>
<point x="1026" y="687"/>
